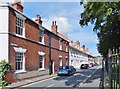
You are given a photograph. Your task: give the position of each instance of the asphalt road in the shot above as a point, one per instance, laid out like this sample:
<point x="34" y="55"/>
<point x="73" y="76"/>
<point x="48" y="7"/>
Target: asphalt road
<point x="65" y="81"/>
<point x="94" y="80"/>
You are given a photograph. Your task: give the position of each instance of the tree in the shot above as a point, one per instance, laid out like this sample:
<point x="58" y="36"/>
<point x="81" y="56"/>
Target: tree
<point x="106" y="17"/>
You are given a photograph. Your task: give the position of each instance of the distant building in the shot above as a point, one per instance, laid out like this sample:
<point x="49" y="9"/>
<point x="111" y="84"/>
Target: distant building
<point x="99" y="59"/>
<point x="78" y="55"/>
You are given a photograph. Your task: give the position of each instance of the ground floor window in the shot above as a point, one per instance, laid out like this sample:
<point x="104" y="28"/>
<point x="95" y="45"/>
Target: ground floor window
<point x="19" y="60"/>
<point x="41" y="61"/>
<point x="72" y="62"/>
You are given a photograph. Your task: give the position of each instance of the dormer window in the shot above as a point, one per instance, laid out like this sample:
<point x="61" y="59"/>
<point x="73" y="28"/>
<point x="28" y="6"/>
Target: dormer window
<point x="60" y="44"/>
<point x="19" y="26"/>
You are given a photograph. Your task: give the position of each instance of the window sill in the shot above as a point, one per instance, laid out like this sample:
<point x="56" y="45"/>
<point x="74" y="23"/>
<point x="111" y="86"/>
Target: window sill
<point x="20" y="36"/>
<point x="60" y="49"/>
<point x="41" y="69"/>
<point x="42" y="43"/>
<point x="20" y="71"/>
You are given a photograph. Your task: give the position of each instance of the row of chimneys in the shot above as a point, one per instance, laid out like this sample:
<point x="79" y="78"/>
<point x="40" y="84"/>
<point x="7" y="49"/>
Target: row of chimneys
<point x="77" y="44"/>
<point x="17" y="5"/>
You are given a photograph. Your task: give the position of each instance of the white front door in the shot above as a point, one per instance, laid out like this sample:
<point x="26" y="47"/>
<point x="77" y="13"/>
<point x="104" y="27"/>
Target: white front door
<point x="53" y="67"/>
<point x="60" y="61"/>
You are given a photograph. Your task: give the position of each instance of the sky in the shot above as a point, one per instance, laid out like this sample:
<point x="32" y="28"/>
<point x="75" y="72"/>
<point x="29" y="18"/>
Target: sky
<point x="67" y="16"/>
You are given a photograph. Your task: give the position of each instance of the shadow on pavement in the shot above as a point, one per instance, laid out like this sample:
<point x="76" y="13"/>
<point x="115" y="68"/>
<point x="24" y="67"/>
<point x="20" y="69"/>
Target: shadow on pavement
<point x="74" y="80"/>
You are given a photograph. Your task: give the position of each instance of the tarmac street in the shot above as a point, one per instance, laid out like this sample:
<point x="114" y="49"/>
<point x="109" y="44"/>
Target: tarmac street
<point x="83" y="78"/>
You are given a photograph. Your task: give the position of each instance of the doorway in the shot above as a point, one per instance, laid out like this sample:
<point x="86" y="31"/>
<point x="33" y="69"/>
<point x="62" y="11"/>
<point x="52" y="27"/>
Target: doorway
<point x="53" y="66"/>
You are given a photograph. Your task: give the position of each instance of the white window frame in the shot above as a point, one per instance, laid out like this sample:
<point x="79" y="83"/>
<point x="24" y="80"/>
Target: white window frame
<point x="43" y="64"/>
<point x="66" y="47"/>
<point x="18" y="15"/>
<point x="60" y="44"/>
<point x="21" y="50"/>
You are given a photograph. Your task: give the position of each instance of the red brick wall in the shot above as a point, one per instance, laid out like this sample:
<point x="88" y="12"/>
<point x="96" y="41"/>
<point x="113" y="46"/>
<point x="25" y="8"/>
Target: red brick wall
<point x="31" y="43"/>
<point x="54" y="41"/>
<point x="55" y="52"/>
<point x="31" y="55"/>
<point x="56" y="58"/>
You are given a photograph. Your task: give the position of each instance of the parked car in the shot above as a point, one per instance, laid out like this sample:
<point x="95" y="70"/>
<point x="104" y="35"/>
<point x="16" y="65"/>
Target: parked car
<point x="91" y="65"/>
<point x="84" y="66"/>
<point x="66" y="70"/>
<point x="96" y="64"/>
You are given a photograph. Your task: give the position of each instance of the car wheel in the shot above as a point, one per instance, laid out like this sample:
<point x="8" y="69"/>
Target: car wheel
<point x="69" y="73"/>
<point x="58" y="74"/>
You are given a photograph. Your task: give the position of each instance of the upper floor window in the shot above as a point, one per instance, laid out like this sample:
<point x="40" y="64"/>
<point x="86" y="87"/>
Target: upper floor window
<point x="66" y="48"/>
<point x="41" y="36"/>
<point x="19" y="26"/>
<point x="60" y="44"/>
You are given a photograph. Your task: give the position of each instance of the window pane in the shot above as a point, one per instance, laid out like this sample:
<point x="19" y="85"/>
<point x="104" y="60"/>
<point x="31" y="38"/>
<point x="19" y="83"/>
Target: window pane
<point x="19" y="61"/>
<point x="19" y="26"/>
<point x="40" y="39"/>
<point x="41" y="36"/>
<point x="40" y="61"/>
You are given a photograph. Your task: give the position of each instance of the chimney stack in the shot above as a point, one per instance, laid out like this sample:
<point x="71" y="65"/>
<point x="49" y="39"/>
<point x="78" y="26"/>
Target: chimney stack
<point x="17" y="5"/>
<point x="38" y="19"/>
<point x="54" y="27"/>
<point x="83" y="47"/>
<point x="78" y="44"/>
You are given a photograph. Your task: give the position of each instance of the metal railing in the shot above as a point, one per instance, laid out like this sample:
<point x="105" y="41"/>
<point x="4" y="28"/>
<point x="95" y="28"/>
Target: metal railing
<point x="113" y="70"/>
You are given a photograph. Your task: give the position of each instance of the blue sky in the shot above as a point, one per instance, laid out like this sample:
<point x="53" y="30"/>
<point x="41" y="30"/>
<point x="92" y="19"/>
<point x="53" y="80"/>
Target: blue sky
<point x="67" y="15"/>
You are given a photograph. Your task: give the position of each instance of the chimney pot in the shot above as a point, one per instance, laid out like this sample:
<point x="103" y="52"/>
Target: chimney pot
<point x="83" y="47"/>
<point x="54" y="27"/>
<point x="52" y="23"/>
<point x="55" y="22"/>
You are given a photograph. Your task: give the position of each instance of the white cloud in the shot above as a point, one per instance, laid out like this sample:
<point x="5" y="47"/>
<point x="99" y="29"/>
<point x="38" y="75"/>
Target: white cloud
<point x="64" y="26"/>
<point x="83" y="36"/>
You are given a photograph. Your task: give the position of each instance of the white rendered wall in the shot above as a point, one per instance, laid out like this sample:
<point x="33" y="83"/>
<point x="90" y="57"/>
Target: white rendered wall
<point x="4" y="32"/>
<point x="76" y="60"/>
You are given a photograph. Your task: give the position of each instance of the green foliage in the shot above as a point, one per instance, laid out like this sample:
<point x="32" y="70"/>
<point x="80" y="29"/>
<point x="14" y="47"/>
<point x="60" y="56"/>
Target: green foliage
<point x="4" y="68"/>
<point x="106" y="80"/>
<point x="106" y="19"/>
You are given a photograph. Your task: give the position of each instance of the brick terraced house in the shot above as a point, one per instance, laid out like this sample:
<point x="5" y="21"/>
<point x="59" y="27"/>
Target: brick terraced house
<point x="31" y="49"/>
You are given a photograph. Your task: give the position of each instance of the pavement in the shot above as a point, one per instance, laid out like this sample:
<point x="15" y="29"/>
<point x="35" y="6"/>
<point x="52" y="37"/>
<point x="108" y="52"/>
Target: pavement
<point x="85" y="83"/>
<point x="94" y="81"/>
<point x="29" y="81"/>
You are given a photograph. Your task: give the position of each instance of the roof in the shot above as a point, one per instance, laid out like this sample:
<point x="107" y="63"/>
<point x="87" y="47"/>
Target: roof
<point x="59" y="34"/>
<point x="63" y="37"/>
<point x="85" y="52"/>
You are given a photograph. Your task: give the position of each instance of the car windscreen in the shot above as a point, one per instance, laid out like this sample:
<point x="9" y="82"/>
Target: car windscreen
<point x="65" y="67"/>
<point x="61" y="67"/>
